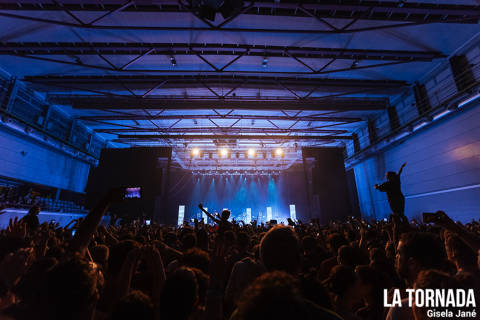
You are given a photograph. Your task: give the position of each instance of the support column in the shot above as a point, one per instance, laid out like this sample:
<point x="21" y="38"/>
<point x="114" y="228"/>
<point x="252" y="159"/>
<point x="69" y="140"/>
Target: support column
<point x="57" y="194"/>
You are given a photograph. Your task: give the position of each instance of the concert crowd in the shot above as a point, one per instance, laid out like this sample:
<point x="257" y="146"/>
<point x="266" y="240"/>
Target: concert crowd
<point x="229" y="270"/>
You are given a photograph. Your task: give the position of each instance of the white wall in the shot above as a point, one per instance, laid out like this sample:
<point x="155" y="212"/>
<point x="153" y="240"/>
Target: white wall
<point x="442" y="172"/>
<point x="40" y="164"/>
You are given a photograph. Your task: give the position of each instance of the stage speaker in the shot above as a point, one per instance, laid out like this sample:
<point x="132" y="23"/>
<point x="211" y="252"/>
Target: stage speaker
<point x="462" y="72"/>
<point x="330" y="198"/>
<point x="393" y="118"/>
<point x="372" y="131"/>
<point x="421" y="99"/>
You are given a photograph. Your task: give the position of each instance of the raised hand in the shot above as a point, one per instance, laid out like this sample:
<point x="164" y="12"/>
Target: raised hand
<point x="16" y="228"/>
<point x="126" y="272"/>
<point x="444" y="220"/>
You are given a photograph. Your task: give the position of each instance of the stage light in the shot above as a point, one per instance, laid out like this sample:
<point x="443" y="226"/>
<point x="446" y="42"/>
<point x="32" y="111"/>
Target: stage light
<point x="195" y="152"/>
<point x="251" y="153"/>
<point x="223" y="152"/>
<point x="173" y="61"/>
<point x="279" y="152"/>
<point x="265" y="62"/>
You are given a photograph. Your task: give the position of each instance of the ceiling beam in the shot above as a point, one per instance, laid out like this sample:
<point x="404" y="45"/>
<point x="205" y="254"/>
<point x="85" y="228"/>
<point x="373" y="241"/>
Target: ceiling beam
<point x="225" y="130"/>
<point x="134" y="48"/>
<point x="335" y="9"/>
<point x="146" y="82"/>
<point x="229" y="137"/>
<point x="220" y="116"/>
<point x="168" y="69"/>
<point x="406" y="13"/>
<point x="113" y="102"/>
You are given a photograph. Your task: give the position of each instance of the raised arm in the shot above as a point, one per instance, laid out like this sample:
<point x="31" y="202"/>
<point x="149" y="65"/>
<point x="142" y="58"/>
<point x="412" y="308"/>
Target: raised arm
<point x="70" y="223"/>
<point x="401" y="168"/>
<point x="88" y="227"/>
<point x="472" y="240"/>
<point x="208" y="213"/>
<point x="381" y="187"/>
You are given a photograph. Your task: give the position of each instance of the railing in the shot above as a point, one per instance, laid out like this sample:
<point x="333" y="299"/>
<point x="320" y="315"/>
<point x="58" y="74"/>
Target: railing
<point x="29" y="109"/>
<point x="443" y="98"/>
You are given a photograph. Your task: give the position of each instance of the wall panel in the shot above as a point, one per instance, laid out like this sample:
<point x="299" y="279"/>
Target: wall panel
<point x="442" y="172"/>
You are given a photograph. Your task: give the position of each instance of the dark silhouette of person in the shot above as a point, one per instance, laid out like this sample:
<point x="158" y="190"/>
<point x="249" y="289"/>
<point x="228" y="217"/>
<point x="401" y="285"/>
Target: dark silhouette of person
<point x="392" y="187"/>
<point x="223" y="223"/>
<point x="31" y="218"/>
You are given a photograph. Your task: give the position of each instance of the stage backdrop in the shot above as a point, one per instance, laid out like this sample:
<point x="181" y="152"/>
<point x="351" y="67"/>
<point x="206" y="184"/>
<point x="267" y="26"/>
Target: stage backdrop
<point x="317" y="188"/>
<point x="131" y="167"/>
<point x="238" y="193"/>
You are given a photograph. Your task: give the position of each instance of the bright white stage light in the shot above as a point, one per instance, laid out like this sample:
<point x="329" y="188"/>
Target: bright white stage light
<point x="293" y="212"/>
<point x="204" y="216"/>
<point x="251" y="153"/>
<point x="223" y="152"/>
<point x="181" y="214"/>
<point x="279" y="152"/>
<point x="195" y="152"/>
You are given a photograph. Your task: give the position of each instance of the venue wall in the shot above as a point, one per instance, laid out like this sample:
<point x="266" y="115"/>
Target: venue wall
<point x="27" y="159"/>
<point x="442" y="172"/>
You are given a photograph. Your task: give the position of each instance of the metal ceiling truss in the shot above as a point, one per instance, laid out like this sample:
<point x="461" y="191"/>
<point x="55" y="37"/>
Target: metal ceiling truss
<point x="209" y="49"/>
<point x="229" y="130"/>
<point x="236" y="117"/>
<point x="406" y="13"/>
<point x="112" y="68"/>
<point x="114" y="102"/>
<point x="231" y="137"/>
<point x="41" y="51"/>
<point x="228" y="83"/>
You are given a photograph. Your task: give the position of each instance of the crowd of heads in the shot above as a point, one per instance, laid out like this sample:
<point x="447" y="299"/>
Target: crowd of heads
<point x="229" y="270"/>
<point x="14" y="197"/>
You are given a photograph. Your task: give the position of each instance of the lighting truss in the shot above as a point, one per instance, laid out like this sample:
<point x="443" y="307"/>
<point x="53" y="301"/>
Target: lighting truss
<point x="240" y="172"/>
<point x="210" y="49"/>
<point x="48" y="52"/>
